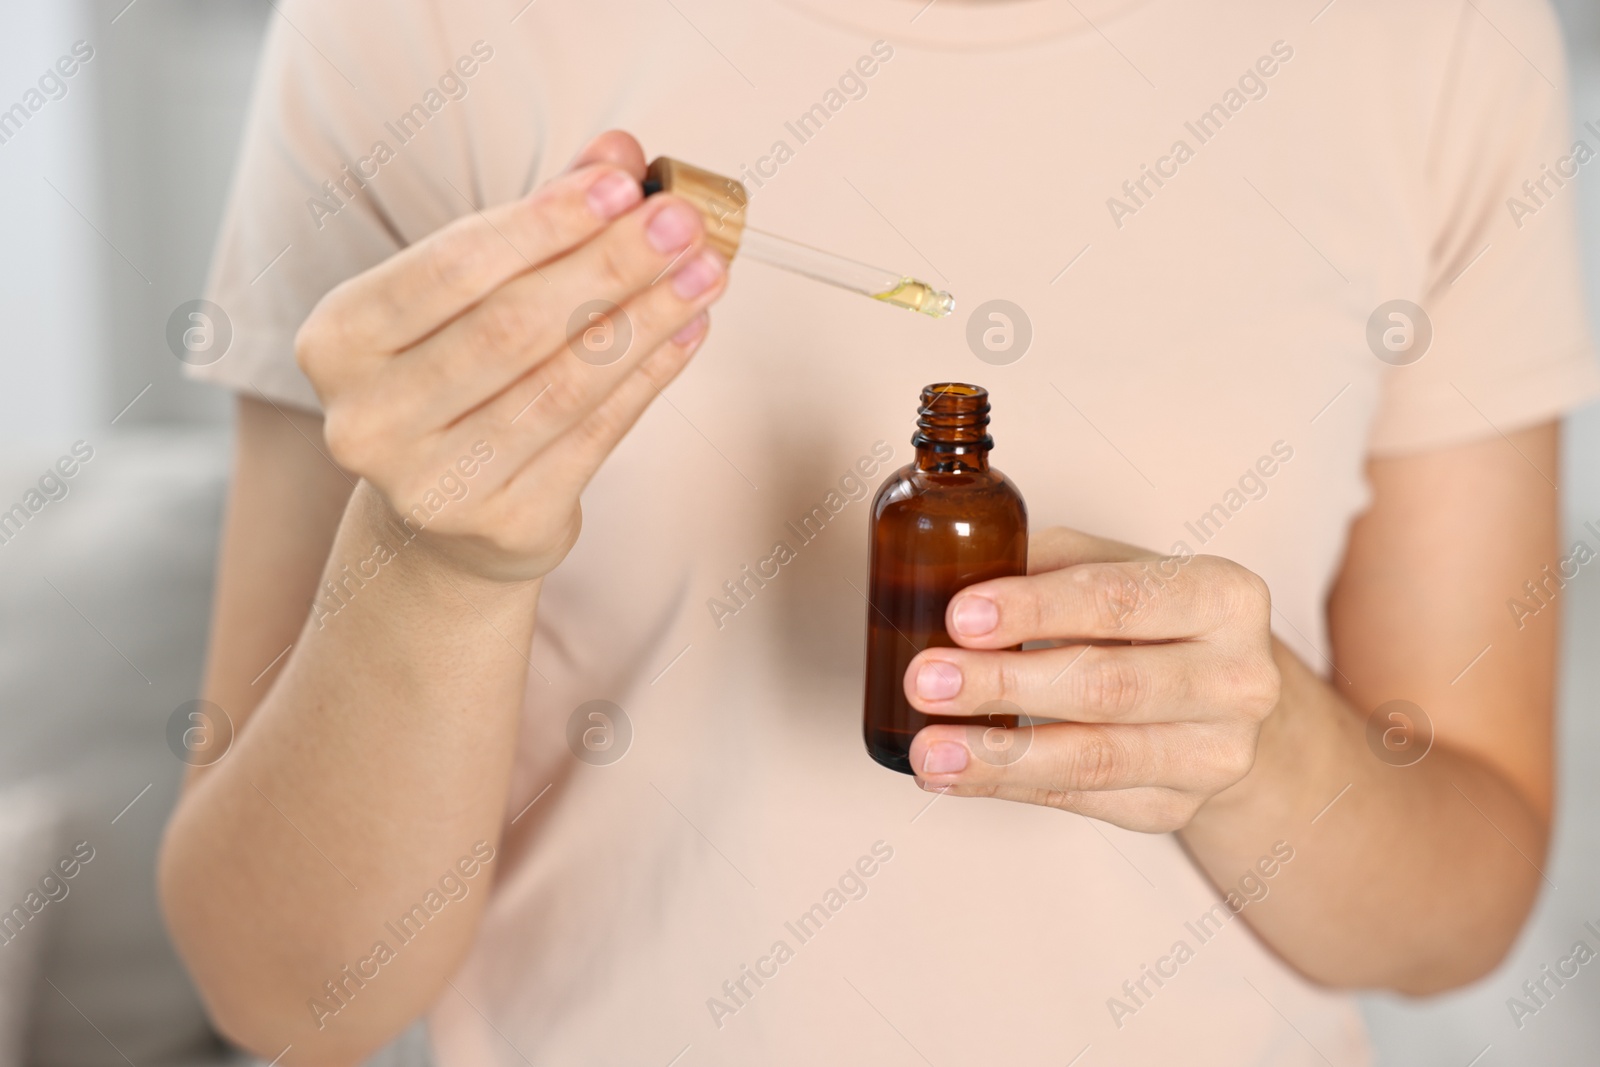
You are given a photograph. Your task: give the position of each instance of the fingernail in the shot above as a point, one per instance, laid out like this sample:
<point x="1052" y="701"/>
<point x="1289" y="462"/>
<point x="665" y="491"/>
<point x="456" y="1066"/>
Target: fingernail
<point x="938" y="680"/>
<point x="697" y="275"/>
<point x="672" y="228"/>
<point x="691" y="329"/>
<point x="612" y="194"/>
<point x="975" y="616"/>
<point x="944" y="757"/>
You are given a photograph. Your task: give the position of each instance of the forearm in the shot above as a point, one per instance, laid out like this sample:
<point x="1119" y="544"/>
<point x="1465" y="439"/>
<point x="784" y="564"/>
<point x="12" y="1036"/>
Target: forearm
<point x="381" y="754"/>
<point x="1390" y="873"/>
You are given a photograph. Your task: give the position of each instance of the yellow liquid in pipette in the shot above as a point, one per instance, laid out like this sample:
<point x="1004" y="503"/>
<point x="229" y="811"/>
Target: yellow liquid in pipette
<point x="918" y="296"/>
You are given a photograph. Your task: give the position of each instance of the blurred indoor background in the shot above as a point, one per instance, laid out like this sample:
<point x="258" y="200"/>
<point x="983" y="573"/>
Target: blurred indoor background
<point x="110" y="200"/>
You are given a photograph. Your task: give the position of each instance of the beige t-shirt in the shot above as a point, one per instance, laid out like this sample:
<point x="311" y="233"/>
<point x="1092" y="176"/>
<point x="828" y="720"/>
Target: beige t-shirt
<point x="1197" y="209"/>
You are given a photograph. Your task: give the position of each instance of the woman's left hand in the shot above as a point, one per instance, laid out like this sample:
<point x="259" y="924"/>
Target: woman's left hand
<point x="1163" y="667"/>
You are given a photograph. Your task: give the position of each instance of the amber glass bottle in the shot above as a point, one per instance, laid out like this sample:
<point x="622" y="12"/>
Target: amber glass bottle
<point x="939" y="524"/>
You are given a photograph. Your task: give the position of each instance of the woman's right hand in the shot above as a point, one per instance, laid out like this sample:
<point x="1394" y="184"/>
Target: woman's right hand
<point x="478" y="378"/>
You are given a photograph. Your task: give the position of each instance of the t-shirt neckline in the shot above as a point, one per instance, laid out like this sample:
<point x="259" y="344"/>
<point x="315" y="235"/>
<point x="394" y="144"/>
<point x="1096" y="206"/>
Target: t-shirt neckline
<point x="967" y="25"/>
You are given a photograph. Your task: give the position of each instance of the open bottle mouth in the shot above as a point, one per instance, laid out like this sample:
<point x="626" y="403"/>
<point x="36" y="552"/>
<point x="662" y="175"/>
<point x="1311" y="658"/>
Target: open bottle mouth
<point x="953" y="417"/>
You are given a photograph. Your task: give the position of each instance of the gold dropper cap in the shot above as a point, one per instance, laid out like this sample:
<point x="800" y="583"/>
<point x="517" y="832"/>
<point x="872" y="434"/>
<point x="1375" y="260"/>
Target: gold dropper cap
<point x="722" y="201"/>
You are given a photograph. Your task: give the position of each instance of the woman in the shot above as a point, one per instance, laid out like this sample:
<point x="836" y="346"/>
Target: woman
<point x="1269" y="311"/>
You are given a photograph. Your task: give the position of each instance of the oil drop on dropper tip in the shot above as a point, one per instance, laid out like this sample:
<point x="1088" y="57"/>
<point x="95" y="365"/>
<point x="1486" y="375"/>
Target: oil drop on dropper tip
<point x="722" y="201"/>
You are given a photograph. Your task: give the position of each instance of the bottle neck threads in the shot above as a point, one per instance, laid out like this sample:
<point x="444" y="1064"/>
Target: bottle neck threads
<point x="953" y="428"/>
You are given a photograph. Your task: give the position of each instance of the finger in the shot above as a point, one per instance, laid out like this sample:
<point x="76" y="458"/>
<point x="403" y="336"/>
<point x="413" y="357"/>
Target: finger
<point x="1084" y="683"/>
<point x="1158" y="599"/>
<point x="565" y="389"/>
<point x="617" y="147"/>
<point x="1058" y="547"/>
<point x="1082" y="757"/>
<point x="522" y="513"/>
<point x="1148" y="810"/>
<point x="566" y="466"/>
<point x="533" y="317"/>
<point x="415" y="291"/>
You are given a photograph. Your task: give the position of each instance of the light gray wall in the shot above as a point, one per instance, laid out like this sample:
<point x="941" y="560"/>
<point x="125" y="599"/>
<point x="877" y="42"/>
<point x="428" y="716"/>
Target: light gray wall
<point x="111" y="198"/>
<point x="50" y="274"/>
<point x="173" y="88"/>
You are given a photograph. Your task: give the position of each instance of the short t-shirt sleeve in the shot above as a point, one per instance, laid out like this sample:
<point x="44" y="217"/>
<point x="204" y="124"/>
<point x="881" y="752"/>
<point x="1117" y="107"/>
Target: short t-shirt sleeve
<point x="312" y="204"/>
<point x="1504" y="295"/>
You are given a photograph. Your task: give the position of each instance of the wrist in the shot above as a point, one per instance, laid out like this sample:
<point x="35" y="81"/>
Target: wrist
<point x="374" y="540"/>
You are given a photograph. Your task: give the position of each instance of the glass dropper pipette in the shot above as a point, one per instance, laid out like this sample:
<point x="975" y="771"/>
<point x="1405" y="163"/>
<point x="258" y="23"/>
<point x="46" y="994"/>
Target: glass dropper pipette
<point x="889" y="286"/>
<point x="722" y="202"/>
